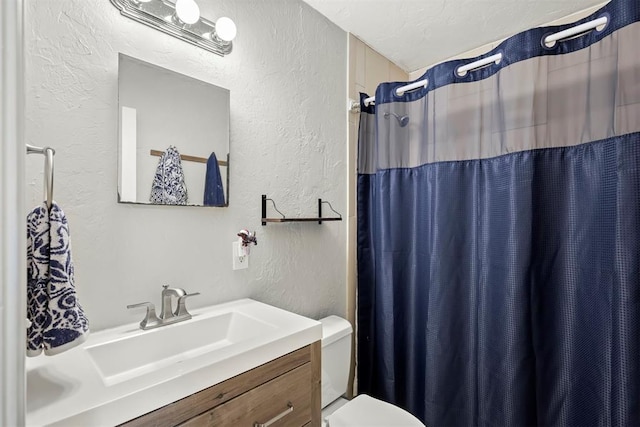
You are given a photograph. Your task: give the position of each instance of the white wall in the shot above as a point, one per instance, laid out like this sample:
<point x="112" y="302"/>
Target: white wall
<point x="287" y="77"/>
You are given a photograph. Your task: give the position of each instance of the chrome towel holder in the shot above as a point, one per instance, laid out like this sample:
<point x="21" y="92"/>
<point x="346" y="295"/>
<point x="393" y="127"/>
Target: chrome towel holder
<point x="48" y="169"/>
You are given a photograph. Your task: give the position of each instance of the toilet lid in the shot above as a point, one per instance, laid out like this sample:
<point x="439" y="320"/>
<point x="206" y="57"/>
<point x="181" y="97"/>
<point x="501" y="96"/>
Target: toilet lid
<point x="365" y="411"/>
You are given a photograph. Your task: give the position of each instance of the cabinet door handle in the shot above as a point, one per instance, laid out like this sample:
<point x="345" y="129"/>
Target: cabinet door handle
<point x="277" y="417"/>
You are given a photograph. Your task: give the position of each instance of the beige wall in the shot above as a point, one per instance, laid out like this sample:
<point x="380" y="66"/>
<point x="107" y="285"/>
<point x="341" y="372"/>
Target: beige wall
<point x="367" y="68"/>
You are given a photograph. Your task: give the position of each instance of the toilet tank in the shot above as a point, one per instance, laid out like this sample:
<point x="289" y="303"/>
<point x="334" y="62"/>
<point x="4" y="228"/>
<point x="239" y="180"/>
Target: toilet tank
<point x="336" y="357"/>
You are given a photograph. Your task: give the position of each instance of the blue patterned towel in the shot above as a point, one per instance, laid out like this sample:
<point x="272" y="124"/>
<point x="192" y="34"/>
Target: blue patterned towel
<point x="37" y="278"/>
<point x="57" y="320"/>
<point x="213" y="190"/>
<point x="168" y="186"/>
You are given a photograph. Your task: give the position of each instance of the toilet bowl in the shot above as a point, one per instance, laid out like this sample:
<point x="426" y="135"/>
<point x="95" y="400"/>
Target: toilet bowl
<point x="363" y="410"/>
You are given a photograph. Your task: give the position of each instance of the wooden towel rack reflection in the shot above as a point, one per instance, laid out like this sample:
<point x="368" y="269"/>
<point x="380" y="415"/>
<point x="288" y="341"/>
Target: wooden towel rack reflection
<point x="187" y="158"/>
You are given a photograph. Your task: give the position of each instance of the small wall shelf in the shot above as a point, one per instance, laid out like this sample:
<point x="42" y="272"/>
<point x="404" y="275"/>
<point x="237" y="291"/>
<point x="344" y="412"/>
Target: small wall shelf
<point x="319" y="219"/>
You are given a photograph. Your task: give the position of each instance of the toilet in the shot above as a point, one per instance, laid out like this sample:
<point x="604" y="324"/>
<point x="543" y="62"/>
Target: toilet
<point x="363" y="410"/>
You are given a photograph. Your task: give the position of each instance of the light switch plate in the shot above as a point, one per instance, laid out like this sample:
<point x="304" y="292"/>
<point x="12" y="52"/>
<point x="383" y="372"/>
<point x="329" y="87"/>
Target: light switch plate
<point x="239" y="263"/>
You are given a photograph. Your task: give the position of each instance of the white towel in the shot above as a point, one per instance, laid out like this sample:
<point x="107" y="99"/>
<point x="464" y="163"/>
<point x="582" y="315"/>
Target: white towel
<point x="58" y="321"/>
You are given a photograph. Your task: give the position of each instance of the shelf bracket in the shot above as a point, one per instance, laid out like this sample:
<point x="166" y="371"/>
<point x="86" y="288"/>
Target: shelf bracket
<point x="320" y="219"/>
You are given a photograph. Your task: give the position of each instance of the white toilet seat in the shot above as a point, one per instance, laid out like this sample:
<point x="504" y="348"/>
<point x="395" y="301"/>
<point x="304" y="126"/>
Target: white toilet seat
<point x="365" y="411"/>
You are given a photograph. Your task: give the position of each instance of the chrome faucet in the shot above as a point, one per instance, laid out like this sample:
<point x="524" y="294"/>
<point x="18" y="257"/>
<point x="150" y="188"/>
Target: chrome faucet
<point x="167" y="314"/>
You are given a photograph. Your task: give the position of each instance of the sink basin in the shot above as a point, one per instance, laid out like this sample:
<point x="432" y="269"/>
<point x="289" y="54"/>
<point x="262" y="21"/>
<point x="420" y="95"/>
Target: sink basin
<point x="155" y="349"/>
<point x="121" y="373"/>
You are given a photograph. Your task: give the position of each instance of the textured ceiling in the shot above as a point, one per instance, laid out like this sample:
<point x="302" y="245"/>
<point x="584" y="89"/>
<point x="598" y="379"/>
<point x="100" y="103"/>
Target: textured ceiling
<point x="418" y="33"/>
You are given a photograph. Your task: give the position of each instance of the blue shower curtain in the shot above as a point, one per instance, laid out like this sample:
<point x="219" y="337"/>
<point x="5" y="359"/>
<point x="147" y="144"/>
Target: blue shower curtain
<point x="499" y="236"/>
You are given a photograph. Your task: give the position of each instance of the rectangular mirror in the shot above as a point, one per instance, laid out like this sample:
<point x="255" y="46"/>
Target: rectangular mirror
<point x="173" y="146"/>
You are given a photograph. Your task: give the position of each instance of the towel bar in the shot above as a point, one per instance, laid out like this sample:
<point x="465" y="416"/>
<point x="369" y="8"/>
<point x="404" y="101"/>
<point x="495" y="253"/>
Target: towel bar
<point x="48" y="169"/>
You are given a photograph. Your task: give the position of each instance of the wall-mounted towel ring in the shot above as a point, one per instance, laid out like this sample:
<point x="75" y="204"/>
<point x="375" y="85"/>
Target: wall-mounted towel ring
<point x="48" y="169"/>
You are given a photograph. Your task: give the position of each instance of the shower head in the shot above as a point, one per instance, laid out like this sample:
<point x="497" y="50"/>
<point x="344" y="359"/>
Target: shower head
<point x="402" y="120"/>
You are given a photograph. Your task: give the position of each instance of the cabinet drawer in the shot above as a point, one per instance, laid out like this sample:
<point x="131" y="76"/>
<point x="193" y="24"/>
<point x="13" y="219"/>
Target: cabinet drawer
<point x="265" y="402"/>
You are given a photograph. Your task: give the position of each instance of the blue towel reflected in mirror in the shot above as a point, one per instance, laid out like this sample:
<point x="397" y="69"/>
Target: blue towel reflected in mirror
<point x="213" y="189"/>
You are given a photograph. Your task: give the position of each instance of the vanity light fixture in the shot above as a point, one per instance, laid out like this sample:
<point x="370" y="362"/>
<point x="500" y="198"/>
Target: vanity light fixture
<point x="187" y="11"/>
<point x="225" y="29"/>
<point x="182" y="20"/>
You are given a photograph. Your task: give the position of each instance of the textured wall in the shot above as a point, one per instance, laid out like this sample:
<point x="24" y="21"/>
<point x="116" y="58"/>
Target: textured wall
<point x="287" y="77"/>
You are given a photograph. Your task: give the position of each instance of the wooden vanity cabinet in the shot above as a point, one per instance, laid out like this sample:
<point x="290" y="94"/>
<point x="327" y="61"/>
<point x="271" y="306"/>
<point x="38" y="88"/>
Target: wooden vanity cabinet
<point x="287" y="387"/>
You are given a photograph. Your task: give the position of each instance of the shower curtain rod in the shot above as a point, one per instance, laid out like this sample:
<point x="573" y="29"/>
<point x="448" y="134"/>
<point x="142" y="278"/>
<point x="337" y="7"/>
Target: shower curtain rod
<point x="548" y="41"/>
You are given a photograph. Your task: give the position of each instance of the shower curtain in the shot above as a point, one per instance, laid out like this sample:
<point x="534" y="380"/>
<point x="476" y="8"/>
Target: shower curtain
<point x="499" y="235"/>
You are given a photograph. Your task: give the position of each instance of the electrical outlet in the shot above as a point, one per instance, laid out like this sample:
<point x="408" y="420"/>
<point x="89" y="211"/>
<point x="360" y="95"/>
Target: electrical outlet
<point x="239" y="262"/>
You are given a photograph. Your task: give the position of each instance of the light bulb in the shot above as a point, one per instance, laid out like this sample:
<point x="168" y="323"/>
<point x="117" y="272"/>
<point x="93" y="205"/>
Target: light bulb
<point x="187" y="11"/>
<point x="225" y="29"/>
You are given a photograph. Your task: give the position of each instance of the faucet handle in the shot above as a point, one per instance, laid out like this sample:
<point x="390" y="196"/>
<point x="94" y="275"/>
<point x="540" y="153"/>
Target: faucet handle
<point x="150" y="319"/>
<point x="181" y="310"/>
<point x="149" y="305"/>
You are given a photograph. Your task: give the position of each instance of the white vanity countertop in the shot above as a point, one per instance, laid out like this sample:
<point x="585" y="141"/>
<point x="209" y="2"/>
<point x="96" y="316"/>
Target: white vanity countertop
<point x="68" y="389"/>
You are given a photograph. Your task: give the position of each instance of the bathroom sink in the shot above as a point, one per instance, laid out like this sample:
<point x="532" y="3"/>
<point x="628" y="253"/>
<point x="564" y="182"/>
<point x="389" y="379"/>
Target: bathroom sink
<point x="147" y="351"/>
<point x="122" y="373"/>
